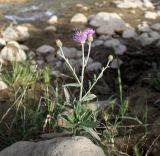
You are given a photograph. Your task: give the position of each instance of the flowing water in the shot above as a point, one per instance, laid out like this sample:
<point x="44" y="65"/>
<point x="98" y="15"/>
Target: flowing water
<point x="32" y="10"/>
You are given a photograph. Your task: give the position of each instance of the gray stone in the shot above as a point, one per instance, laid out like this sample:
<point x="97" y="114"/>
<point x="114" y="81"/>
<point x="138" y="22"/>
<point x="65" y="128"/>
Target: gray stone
<point x="79" y="18"/>
<point x="112" y="43"/>
<point x="94" y="66"/>
<point x="50" y="57"/>
<point x="98" y="42"/>
<point x="148" y="38"/>
<point x="144" y="27"/>
<point x="44" y="49"/>
<point x="115" y="63"/>
<point x="156" y="26"/>
<point x="24" y="47"/>
<point x="67" y="146"/>
<point x="129" y="33"/>
<point x="120" y="49"/>
<point x="71" y="53"/>
<point x="104" y="37"/>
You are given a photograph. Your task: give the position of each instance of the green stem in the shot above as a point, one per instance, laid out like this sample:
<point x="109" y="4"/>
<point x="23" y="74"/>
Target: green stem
<point x="120" y="84"/>
<point x="99" y="76"/>
<point x="82" y="74"/>
<point x="89" y="50"/>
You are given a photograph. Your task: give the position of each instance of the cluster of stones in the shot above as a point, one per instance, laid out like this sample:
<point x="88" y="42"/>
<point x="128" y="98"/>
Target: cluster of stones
<point x="106" y="25"/>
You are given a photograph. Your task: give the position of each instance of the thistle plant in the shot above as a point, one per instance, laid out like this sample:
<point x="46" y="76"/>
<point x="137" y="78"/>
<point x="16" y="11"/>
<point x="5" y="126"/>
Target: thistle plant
<point x="82" y="119"/>
<point x="83" y="37"/>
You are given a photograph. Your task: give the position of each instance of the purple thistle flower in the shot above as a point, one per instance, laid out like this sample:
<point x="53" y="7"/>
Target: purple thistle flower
<point x="89" y="32"/>
<point x="80" y="36"/>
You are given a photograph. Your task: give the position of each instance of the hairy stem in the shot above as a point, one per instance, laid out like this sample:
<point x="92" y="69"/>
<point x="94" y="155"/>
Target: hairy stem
<point x="82" y="74"/>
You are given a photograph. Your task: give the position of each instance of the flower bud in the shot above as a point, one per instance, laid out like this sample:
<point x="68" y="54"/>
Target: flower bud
<point x="90" y="38"/>
<point x="110" y="58"/>
<point x="59" y="43"/>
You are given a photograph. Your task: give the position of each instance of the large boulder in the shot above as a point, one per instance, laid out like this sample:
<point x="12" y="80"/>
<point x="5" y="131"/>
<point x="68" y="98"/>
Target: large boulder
<point x="108" y="23"/>
<point x="67" y="146"/>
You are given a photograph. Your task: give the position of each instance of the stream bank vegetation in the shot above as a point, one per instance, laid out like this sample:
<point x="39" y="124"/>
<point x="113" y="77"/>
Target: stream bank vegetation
<point x="39" y="103"/>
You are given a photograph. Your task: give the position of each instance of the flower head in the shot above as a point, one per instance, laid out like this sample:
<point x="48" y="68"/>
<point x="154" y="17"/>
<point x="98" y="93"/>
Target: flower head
<point x="80" y="36"/>
<point x="89" y="32"/>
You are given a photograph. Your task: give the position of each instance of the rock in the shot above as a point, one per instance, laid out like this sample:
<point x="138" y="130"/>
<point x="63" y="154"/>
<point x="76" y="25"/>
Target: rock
<point x="85" y="8"/>
<point x="2" y="42"/>
<point x="126" y="4"/>
<point x="144" y="27"/>
<point x="115" y="44"/>
<point x="105" y="29"/>
<point x="3" y="85"/>
<point x="24" y="47"/>
<point x="129" y="33"/>
<point x="148" y="4"/>
<point x="156" y="127"/>
<point x="104" y="37"/>
<point x="94" y="66"/>
<point x="98" y="42"/>
<point x="50" y="58"/>
<point x="12" y="52"/>
<point x="158" y="44"/>
<point x="108" y="23"/>
<point x="79" y="18"/>
<point x="71" y="53"/>
<point x="16" y="33"/>
<point x="53" y="19"/>
<point x="115" y="63"/>
<point x="112" y="43"/>
<point x="81" y="146"/>
<point x="120" y="49"/>
<point x="50" y="29"/>
<point x="156" y="26"/>
<point x="45" y="49"/>
<point x="148" y="38"/>
<point x="150" y="15"/>
<point x="40" y="62"/>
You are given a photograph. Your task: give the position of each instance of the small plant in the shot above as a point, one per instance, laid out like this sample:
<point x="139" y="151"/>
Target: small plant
<point x="81" y="119"/>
